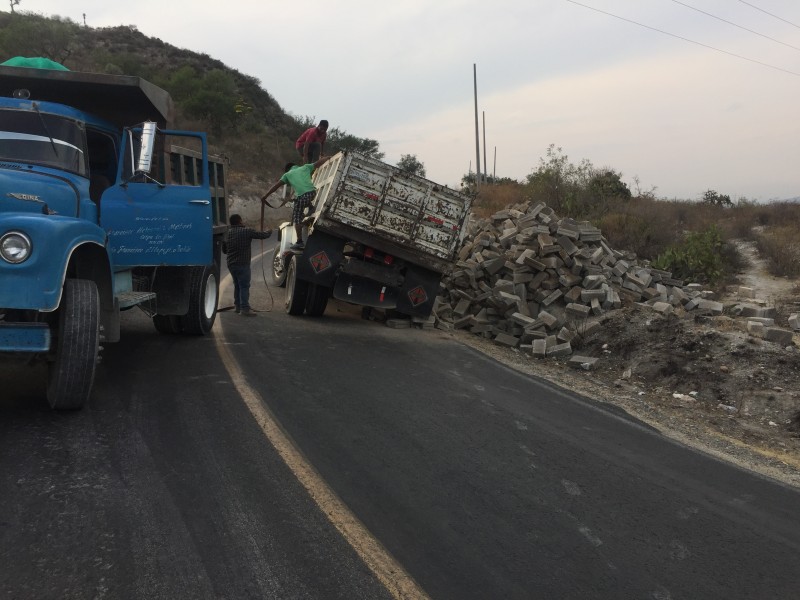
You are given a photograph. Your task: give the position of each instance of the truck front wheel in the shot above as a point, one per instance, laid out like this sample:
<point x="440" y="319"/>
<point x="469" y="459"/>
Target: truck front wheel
<point x="296" y="290"/>
<point x="279" y="266"/>
<point x="203" y="298"/>
<point x="71" y="375"/>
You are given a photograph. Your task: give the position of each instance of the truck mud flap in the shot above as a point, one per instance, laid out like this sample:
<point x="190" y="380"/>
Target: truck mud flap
<point x="321" y="258"/>
<point x="418" y="294"/>
<point x="357" y="290"/>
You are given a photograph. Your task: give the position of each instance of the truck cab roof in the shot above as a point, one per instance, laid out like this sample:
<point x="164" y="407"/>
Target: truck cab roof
<point x="121" y="99"/>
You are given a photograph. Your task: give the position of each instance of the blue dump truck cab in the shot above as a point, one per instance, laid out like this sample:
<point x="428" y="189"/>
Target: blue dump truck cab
<point x="102" y="209"/>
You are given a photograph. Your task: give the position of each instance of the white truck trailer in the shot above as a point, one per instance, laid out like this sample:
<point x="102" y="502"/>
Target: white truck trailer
<point x="378" y="237"/>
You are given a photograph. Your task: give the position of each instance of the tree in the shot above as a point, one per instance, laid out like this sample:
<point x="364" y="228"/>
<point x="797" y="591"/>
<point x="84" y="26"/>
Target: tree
<point x="339" y="141"/>
<point x="713" y="198"/>
<point x="13" y="4"/>
<point x="410" y="165"/>
<point x="607" y="184"/>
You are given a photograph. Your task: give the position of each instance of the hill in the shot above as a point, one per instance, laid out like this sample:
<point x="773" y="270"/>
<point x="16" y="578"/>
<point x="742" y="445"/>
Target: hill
<point x="243" y="121"/>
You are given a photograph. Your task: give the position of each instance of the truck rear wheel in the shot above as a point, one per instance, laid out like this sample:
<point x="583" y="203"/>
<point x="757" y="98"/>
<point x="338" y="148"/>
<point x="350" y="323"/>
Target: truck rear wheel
<point x="296" y="290"/>
<point x="71" y="375"/>
<point x="278" y="267"/>
<point x="317" y="300"/>
<point x="203" y="298"/>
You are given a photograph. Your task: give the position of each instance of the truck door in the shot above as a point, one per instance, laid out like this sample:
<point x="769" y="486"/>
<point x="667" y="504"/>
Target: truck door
<point x="164" y="216"/>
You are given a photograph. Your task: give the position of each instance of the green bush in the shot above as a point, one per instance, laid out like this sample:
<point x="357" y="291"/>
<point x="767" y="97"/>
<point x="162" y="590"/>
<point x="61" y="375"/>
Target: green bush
<point x="697" y="258"/>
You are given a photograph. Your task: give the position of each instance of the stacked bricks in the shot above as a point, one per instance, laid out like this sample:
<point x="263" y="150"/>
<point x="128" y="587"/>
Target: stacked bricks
<point x="528" y="279"/>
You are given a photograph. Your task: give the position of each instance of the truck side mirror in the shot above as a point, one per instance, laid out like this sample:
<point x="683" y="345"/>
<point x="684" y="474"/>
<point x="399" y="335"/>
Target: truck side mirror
<point x="145" y="161"/>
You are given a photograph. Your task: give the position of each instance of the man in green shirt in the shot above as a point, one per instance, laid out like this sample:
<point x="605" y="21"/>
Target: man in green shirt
<point x="299" y="177"/>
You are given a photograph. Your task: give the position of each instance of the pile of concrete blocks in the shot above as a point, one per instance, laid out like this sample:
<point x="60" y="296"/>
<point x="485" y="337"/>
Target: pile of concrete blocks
<point x="527" y="279"/>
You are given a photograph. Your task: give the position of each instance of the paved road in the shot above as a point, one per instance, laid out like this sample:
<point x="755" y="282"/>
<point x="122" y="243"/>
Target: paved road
<point x="480" y="482"/>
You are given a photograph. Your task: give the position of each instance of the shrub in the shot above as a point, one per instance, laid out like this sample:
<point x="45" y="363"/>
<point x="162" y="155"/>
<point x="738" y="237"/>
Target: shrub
<point x="697" y="258"/>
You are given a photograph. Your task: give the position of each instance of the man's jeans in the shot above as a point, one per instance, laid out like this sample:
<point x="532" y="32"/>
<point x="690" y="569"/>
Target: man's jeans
<point x="241" y="285"/>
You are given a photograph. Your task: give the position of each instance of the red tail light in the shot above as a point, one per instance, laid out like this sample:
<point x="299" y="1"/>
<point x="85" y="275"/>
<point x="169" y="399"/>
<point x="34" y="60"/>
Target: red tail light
<point x="387" y="260"/>
<point x="369" y="252"/>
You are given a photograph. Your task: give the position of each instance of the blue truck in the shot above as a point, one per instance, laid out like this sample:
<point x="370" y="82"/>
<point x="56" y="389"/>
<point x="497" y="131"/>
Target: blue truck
<point x="102" y="208"/>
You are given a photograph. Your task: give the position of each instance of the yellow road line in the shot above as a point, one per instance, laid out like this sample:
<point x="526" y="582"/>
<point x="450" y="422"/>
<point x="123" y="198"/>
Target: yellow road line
<point x="382" y="564"/>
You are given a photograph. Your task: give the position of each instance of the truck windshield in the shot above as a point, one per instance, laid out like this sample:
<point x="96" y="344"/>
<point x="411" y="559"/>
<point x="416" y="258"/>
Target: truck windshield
<point x="42" y="139"/>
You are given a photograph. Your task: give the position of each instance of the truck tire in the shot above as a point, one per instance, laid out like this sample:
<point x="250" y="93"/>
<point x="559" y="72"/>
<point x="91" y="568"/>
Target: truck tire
<point x="167" y="324"/>
<point x="71" y="375"/>
<point x="317" y="300"/>
<point x="203" y="298"/>
<point x="296" y="290"/>
<point x="278" y="267"/>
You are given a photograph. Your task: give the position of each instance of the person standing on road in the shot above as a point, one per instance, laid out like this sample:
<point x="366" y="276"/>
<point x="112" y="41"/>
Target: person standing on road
<point x="299" y="177"/>
<point x="311" y="143"/>
<point x="236" y="246"/>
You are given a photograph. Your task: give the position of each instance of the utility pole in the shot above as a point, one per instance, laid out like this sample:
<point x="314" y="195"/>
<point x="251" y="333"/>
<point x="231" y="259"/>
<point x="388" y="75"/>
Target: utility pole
<point x="477" y="131"/>
<point x="494" y="169"/>
<point x="485" y="172"/>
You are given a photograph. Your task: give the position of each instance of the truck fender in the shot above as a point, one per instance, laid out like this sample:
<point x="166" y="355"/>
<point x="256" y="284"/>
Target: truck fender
<point x="319" y="263"/>
<point x="59" y="244"/>
<point x="418" y="294"/>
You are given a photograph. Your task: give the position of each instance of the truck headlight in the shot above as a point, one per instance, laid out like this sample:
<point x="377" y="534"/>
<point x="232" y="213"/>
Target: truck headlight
<point x="15" y="247"/>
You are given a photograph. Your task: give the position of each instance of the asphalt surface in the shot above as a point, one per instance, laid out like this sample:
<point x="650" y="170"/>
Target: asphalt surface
<point x="481" y="482"/>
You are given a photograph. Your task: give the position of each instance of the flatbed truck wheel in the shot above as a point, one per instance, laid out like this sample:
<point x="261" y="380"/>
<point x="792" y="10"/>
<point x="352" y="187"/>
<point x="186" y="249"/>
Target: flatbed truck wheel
<point x="71" y="374"/>
<point x="203" y="299"/>
<point x="317" y="300"/>
<point x="296" y="290"/>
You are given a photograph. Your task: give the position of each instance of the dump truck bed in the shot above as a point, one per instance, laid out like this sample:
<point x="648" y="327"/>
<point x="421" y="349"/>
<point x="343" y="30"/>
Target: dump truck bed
<point x="376" y="204"/>
<point x="120" y="99"/>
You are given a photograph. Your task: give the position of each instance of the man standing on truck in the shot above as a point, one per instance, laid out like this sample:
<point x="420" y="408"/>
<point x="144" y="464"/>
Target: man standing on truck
<point x="236" y="246"/>
<point x="311" y="143"/>
<point x="299" y="177"/>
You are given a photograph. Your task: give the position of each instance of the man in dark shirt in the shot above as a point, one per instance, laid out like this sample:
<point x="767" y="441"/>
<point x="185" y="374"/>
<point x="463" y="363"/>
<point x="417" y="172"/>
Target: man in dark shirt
<point x="236" y="246"/>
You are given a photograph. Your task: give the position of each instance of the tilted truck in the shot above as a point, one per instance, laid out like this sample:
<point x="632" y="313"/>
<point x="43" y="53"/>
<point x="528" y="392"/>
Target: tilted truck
<point x="102" y="208"/>
<point x="378" y="237"/>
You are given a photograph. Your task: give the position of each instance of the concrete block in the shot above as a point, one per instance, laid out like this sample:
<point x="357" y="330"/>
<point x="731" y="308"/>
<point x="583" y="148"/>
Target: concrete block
<point x="552" y="298"/>
<point x="505" y="339"/>
<point x="664" y="308"/>
<point x="523" y="320"/>
<point x="539" y="348"/>
<point x="444" y="325"/>
<point x="794" y="321"/>
<point x="778" y="335"/>
<point x="755" y="328"/>
<point x="578" y="311"/>
<point x="564" y="349"/>
<point x="573" y="295"/>
<point x="586" y="363"/>
<point x="712" y="306"/>
<point x="548" y="319"/>
<point x="589" y="295"/>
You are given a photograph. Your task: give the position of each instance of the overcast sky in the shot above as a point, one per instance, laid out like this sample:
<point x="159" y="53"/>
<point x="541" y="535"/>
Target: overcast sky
<point x="684" y="96"/>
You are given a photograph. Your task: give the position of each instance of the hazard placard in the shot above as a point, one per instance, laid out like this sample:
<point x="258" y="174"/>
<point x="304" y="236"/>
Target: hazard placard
<point x="417" y="295"/>
<point x="320" y="261"/>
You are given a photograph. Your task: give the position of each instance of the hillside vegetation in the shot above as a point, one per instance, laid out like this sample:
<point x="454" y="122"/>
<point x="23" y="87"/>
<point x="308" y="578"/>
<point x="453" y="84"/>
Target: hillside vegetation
<point x="243" y="121"/>
<point x="693" y="239"/>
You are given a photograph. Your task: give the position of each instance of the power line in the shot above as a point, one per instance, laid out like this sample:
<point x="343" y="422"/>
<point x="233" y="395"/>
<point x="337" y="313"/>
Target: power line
<point x="770" y="14"/>
<point x="758" y="62"/>
<point x="734" y="24"/>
